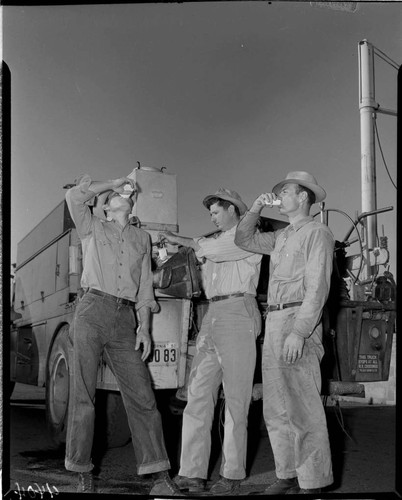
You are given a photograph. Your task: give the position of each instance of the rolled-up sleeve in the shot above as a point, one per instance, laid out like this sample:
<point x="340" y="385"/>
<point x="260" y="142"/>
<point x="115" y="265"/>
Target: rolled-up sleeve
<point x="249" y="238"/>
<point x="76" y="199"/>
<point x="317" y="281"/>
<point x="221" y="250"/>
<point x="145" y="294"/>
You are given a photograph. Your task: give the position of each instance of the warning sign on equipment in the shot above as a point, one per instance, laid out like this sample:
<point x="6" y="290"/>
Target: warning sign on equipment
<point x="368" y="363"/>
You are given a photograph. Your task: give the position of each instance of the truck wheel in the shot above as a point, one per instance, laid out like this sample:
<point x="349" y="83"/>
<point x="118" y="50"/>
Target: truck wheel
<point x="111" y="425"/>
<point x="57" y="387"/>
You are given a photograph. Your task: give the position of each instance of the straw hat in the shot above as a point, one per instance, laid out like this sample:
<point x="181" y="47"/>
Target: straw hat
<point x="228" y="195"/>
<point x="303" y="179"/>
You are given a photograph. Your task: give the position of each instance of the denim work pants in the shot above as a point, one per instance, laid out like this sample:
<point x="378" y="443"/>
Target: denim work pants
<point x="101" y="325"/>
<point x="225" y="353"/>
<point x="293" y="409"/>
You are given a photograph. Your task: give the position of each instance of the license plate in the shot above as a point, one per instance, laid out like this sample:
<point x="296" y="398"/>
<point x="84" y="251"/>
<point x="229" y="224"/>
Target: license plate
<point x="164" y="353"/>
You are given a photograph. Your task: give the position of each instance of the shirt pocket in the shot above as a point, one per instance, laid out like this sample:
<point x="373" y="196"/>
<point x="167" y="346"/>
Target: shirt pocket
<point x="136" y="254"/>
<point x="101" y="237"/>
<point x="290" y="263"/>
<point x="105" y="248"/>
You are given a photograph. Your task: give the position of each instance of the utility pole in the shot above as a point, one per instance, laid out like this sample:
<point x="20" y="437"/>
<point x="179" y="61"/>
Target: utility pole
<point x="368" y="107"/>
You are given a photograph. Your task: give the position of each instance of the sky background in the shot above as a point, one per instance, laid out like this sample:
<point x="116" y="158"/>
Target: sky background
<point x="222" y="94"/>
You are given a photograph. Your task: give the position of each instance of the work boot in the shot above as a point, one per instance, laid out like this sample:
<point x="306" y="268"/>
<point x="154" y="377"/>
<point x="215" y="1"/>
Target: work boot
<point x="303" y="491"/>
<point x="225" y="486"/>
<point x="85" y="482"/>
<point x="164" y="486"/>
<point x="190" y="484"/>
<point x="281" y="486"/>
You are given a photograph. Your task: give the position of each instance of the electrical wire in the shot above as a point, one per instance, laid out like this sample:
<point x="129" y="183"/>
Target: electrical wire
<point x="382" y="154"/>
<point x="396" y="66"/>
<point x="385" y="58"/>
<point x="339" y="417"/>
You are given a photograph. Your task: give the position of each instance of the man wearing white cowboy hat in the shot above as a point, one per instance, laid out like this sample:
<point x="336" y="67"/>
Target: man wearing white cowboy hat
<point x="225" y="349"/>
<point x="299" y="282"/>
<point x="113" y="318"/>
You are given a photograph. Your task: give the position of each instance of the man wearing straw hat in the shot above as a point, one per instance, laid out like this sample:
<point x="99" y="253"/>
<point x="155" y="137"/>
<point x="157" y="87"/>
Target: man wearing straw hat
<point x="225" y="349"/>
<point x="113" y="319"/>
<point x="299" y="282"/>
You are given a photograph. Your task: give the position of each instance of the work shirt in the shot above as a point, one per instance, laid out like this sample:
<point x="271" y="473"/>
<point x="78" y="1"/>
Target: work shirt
<point x="300" y="265"/>
<point x="227" y="268"/>
<point x="116" y="259"/>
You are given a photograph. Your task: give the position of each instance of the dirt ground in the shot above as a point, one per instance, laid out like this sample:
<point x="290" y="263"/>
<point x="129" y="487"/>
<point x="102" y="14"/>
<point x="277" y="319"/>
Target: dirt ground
<point x="362" y="442"/>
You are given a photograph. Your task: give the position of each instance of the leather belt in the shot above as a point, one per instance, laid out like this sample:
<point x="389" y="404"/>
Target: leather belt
<point x="279" y="307"/>
<point x="224" y="297"/>
<point x="118" y="300"/>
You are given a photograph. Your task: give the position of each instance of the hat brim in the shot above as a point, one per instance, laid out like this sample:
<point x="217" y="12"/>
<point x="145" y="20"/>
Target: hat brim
<point x="103" y="199"/>
<point x="238" y="203"/>
<point x="98" y="203"/>
<point x="319" y="192"/>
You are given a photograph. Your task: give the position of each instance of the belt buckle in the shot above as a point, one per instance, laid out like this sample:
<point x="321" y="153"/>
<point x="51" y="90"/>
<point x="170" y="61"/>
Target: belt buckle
<point x="277" y="307"/>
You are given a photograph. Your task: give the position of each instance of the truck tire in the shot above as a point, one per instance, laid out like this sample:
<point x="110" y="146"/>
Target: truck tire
<point x="111" y="425"/>
<point x="57" y="387"/>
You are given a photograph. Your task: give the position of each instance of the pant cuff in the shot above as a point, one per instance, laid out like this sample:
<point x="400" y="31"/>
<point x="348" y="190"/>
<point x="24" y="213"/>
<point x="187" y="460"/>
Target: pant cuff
<point x="69" y="465"/>
<point x="153" y="467"/>
<point x="317" y="483"/>
<point x="192" y="475"/>
<point x="235" y="474"/>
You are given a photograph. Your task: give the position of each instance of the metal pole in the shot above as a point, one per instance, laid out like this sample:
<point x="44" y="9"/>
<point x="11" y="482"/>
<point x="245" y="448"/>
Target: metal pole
<point x="368" y="107"/>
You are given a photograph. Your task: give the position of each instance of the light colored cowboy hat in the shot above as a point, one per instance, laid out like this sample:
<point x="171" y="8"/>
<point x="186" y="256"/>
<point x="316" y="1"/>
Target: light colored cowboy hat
<point x="98" y="203"/>
<point x="102" y="199"/>
<point x="304" y="179"/>
<point x="228" y="195"/>
<point x="98" y="200"/>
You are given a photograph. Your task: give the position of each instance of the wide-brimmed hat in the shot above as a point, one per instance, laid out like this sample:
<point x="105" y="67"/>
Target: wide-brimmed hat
<point x="228" y="195"/>
<point x="98" y="203"/>
<point x="304" y="179"/>
<point x="100" y="200"/>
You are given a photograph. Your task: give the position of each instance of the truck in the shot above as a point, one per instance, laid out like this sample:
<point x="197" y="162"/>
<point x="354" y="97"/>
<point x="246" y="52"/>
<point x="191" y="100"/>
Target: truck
<point x="359" y="318"/>
<point x="46" y="289"/>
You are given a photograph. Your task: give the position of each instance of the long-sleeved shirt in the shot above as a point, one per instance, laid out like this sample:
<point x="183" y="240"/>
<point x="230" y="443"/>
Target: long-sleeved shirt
<point x="227" y="269"/>
<point x="300" y="265"/>
<point x="116" y="259"/>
